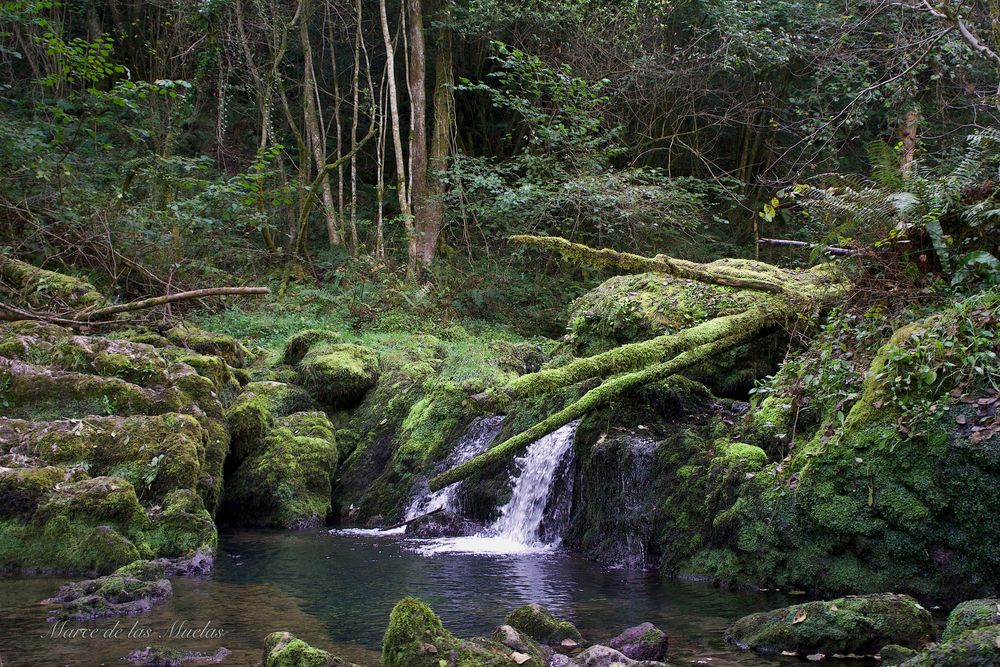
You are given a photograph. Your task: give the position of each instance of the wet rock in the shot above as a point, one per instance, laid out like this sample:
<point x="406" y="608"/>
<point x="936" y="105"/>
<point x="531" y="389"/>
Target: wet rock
<point x="158" y="656"/>
<point x="970" y="615"/>
<point x="894" y="655"/>
<point x="535" y="621"/>
<point x="442" y="524"/>
<point x="605" y="656"/>
<point x="856" y="624"/>
<point x="126" y="592"/>
<point x="514" y="640"/>
<point x="642" y="642"/>
<point x="283" y="649"/>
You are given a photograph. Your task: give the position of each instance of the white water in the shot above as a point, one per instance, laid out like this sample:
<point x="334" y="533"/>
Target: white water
<point x="517" y="529"/>
<point x="480" y="435"/>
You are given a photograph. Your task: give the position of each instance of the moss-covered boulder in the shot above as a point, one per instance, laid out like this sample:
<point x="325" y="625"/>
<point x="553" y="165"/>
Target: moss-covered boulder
<point x="288" y="483"/>
<point x="125" y="592"/>
<point x="970" y="615"/>
<point x="339" y="375"/>
<point x="91" y="525"/>
<point x="283" y="649"/>
<point x="537" y="622"/>
<point x="298" y="345"/>
<point x="973" y="648"/>
<point x="859" y="625"/>
<point x="181" y="525"/>
<point x="254" y="412"/>
<point x="642" y="642"/>
<point x="210" y="343"/>
<point x="416" y="638"/>
<point x="163" y="656"/>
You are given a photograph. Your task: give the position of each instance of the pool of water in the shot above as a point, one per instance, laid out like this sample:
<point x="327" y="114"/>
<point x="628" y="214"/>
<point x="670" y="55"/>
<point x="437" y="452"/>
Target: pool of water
<point x="336" y="592"/>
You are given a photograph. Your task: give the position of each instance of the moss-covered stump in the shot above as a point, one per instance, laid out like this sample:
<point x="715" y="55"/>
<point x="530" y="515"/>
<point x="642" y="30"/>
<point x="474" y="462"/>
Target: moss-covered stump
<point x="288" y="483"/>
<point x="339" y="375"/>
<point x="970" y="615"/>
<point x="632" y="308"/>
<point x="416" y="638"/>
<point x="90" y="525"/>
<point x="127" y="591"/>
<point x="855" y="625"/>
<point x="254" y="412"/>
<point x="537" y="622"/>
<point x="283" y="649"/>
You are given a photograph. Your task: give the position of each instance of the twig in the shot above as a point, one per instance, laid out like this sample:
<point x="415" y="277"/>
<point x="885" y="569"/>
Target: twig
<point x="833" y="250"/>
<point x="171" y="298"/>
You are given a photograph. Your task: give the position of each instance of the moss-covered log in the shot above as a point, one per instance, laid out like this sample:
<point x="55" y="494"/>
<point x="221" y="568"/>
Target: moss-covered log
<point x="744" y="274"/>
<point x="748" y="325"/>
<point x="595" y="397"/>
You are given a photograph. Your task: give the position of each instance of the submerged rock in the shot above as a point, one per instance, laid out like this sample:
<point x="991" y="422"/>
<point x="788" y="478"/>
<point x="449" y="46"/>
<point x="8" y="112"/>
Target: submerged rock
<point x="158" y="656"/>
<point x="130" y="590"/>
<point x="283" y="649"/>
<point x="858" y="625"/>
<point x="535" y="621"/>
<point x="605" y="656"/>
<point x="642" y="642"/>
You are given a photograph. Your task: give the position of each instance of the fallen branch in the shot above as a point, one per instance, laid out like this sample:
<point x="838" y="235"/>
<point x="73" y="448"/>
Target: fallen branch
<point x="409" y="521"/>
<point x="142" y="304"/>
<point x="832" y="249"/>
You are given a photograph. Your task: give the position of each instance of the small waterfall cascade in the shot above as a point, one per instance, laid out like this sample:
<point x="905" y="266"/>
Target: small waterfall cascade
<point x="519" y="528"/>
<point x="476" y="439"/>
<point x="521" y="518"/>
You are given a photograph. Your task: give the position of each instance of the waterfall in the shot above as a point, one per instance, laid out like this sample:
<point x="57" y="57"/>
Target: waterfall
<point x="480" y="435"/>
<point x="519" y="527"/>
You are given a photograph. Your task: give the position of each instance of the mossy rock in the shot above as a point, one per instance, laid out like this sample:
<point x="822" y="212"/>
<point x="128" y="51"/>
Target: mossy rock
<point x="339" y="375"/>
<point x="299" y="344"/>
<point x="91" y="525"/>
<point x="859" y="625"/>
<point x="288" y="483"/>
<point x="283" y="649"/>
<point x="254" y="411"/>
<point x="127" y="591"/>
<point x="538" y="623"/>
<point x="972" y="648"/>
<point x="22" y="489"/>
<point x="207" y="342"/>
<point x="181" y="525"/>
<point x="970" y="615"/>
<point x="417" y="638"/>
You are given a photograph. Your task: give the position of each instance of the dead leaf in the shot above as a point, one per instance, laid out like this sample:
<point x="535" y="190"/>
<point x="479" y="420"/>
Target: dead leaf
<point x="520" y="658"/>
<point x="568" y="643"/>
<point x="816" y="657"/>
<point x="800" y="616"/>
<point x="430" y="648"/>
<point x="834" y="607"/>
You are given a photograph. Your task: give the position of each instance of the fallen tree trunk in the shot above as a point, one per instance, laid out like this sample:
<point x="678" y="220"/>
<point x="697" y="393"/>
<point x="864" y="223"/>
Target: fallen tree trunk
<point x="155" y="301"/>
<point x="832" y="249"/>
<point x="629" y="366"/>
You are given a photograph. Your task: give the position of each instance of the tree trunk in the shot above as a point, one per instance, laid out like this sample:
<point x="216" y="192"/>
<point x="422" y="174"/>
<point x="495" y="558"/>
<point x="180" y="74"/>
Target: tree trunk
<point x="419" y="254"/>
<point x="430" y="221"/>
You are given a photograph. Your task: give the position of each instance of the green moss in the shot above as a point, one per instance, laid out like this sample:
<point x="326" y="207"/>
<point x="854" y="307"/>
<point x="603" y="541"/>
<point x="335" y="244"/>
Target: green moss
<point x="416" y="638"/>
<point x="21" y="489"/>
<point x="209" y="343"/>
<point x="288" y="483"/>
<point x="535" y="621"/>
<point x="970" y="615"/>
<point x="859" y="625"/>
<point x="253" y="412"/>
<point x="299" y="344"/>
<point x="339" y="375"/>
<point x="283" y="649"/>
<point x="42" y="289"/>
<point x="181" y="526"/>
<point x="973" y="648"/>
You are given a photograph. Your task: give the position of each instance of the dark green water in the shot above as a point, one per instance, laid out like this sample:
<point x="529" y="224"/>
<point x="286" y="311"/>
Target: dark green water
<point x="336" y="591"/>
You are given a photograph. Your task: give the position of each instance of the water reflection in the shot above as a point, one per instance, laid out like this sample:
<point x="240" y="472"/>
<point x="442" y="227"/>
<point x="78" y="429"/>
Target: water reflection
<point x="336" y="592"/>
